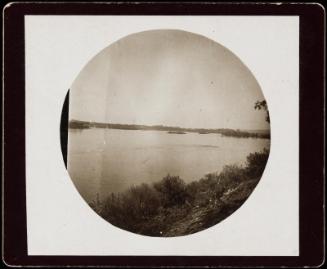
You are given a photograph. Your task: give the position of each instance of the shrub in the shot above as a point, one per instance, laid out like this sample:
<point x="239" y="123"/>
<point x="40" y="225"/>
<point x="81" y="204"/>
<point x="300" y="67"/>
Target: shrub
<point x="192" y="190"/>
<point x="172" y="190"/>
<point x="128" y="209"/>
<point x="231" y="175"/>
<point x="144" y="199"/>
<point x="256" y="163"/>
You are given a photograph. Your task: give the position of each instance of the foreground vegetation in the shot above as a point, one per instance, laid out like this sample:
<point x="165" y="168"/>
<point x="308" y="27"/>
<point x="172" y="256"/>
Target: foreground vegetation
<point x="171" y="207"/>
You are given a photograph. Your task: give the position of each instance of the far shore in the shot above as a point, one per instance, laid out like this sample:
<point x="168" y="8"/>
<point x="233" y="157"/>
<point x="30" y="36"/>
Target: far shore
<point x="77" y="124"/>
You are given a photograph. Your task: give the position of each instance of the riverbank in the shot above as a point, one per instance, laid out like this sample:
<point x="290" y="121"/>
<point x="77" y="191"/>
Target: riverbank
<point x="171" y="207"/>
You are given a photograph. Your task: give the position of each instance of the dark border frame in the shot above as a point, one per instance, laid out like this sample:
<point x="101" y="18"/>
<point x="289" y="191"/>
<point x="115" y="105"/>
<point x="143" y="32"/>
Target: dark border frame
<point x="312" y="104"/>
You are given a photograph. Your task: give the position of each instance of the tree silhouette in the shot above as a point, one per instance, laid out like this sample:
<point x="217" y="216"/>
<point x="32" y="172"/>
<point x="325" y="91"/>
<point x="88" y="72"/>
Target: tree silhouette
<point x="262" y="105"/>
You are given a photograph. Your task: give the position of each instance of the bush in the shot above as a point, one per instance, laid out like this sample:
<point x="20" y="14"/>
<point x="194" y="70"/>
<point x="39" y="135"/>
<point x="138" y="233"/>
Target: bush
<point x="231" y="175"/>
<point x="192" y="190"/>
<point x="135" y="205"/>
<point x="256" y="163"/>
<point x="172" y="190"/>
<point x="145" y="200"/>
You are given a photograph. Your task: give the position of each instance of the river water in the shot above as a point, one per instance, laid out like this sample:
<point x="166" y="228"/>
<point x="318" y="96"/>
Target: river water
<point x="101" y="161"/>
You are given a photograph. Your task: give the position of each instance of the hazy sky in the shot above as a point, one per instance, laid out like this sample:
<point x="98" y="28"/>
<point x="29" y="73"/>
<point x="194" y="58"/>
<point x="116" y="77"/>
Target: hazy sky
<point x="167" y="77"/>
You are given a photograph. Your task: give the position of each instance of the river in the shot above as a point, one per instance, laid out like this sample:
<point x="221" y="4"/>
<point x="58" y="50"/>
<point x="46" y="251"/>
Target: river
<point x="101" y="161"/>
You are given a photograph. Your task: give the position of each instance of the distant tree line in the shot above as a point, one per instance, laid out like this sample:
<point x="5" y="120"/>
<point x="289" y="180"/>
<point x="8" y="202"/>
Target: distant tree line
<point x="76" y="124"/>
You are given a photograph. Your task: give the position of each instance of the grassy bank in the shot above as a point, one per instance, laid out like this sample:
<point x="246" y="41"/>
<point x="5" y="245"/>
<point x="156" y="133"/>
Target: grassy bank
<point x="171" y="207"/>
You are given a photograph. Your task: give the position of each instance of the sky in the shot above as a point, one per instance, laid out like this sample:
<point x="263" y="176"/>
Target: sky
<point x="167" y="77"/>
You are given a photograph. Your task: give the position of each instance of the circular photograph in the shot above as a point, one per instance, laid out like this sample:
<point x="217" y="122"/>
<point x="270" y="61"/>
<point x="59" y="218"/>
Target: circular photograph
<point x="168" y="133"/>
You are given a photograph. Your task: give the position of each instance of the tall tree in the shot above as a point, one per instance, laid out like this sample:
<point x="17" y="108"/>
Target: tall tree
<point x="262" y="105"/>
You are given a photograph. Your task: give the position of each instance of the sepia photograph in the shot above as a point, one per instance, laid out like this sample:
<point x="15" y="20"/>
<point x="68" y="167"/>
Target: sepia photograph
<point x="169" y="133"/>
<point x="163" y="134"/>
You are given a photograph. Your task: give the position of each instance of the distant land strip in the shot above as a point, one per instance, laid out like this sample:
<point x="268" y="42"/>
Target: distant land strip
<point x="78" y="124"/>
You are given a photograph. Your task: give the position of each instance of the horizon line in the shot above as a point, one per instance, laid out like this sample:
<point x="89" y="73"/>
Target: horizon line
<point x="169" y="126"/>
